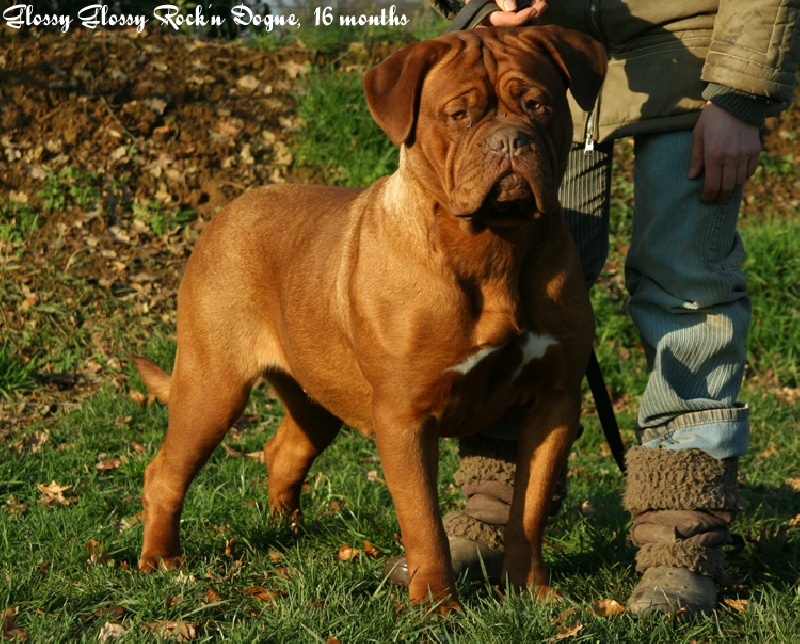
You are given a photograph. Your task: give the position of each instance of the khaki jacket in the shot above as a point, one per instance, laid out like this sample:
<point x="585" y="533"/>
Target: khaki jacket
<point x="664" y="53"/>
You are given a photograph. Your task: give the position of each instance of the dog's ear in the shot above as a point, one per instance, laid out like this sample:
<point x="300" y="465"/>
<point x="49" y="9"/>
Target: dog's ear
<point x="394" y="86"/>
<point x="581" y="58"/>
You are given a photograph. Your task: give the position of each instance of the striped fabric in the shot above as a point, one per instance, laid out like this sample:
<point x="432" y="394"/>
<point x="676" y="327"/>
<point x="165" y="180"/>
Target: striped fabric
<point x="686" y="285"/>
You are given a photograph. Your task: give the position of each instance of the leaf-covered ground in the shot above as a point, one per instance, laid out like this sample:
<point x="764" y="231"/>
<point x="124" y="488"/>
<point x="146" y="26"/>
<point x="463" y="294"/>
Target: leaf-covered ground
<point x="115" y="150"/>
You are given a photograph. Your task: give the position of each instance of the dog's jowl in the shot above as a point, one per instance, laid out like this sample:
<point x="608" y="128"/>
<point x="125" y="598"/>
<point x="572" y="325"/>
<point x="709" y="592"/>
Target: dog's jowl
<point x="422" y="306"/>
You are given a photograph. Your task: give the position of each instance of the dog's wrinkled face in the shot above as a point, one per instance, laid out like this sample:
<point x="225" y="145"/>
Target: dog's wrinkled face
<point x="487" y="126"/>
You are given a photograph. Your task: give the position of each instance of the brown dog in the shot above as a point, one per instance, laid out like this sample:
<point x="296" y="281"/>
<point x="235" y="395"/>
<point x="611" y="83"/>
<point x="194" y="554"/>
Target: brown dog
<point x="423" y="306"/>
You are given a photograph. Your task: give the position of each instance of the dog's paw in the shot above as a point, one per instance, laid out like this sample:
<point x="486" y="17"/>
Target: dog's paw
<point x="448" y="607"/>
<point x="547" y="594"/>
<point x="149" y="563"/>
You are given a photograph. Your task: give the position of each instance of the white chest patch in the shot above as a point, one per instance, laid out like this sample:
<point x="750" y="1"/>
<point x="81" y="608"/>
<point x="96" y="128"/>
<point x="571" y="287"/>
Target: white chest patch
<point x="533" y="345"/>
<point x="468" y="363"/>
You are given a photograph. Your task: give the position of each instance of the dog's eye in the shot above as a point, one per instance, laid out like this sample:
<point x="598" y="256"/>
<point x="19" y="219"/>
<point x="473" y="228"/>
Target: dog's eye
<point x="535" y="107"/>
<point x="457" y="115"/>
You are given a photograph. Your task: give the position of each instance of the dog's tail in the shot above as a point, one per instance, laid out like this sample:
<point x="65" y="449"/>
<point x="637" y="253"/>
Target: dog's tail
<point x="156" y="379"/>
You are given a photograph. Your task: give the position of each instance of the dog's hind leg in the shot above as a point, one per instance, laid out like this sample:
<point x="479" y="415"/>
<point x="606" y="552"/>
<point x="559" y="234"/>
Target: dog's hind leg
<point x="205" y="399"/>
<point x="306" y="430"/>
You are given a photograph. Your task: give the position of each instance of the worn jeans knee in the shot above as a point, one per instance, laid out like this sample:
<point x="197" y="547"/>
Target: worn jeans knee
<point x="688" y="301"/>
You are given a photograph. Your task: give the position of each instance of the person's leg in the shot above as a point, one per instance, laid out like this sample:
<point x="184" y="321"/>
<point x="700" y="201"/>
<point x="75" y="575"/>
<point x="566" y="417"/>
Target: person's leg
<point x="585" y="196"/>
<point x="487" y="461"/>
<point x="688" y="301"/>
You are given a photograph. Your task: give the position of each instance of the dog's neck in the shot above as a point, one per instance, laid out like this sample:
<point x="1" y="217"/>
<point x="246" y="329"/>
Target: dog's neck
<point x="485" y="263"/>
<point x="474" y="249"/>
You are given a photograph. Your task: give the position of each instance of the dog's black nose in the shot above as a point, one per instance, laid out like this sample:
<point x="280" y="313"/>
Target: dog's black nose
<point x="508" y="141"/>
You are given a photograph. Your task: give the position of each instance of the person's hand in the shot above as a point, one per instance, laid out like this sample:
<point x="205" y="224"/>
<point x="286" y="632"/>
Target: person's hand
<point x="726" y="150"/>
<point x="510" y="16"/>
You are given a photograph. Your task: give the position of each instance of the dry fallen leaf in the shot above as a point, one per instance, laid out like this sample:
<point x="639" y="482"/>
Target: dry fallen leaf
<point x="13" y="506"/>
<point x="248" y="81"/>
<point x="139" y="398"/>
<point x="183" y="631"/>
<point x="230" y="451"/>
<point x="371" y="550"/>
<point x="262" y="594"/>
<point x="183" y="578"/>
<point x="793" y="483"/>
<point x="127" y="524"/>
<point x="347" y="552"/>
<point x="137" y="447"/>
<point x="97" y="554"/>
<point x="53" y="494"/>
<point x="10" y="628"/>
<point x="109" y="464"/>
<point x="111" y="630"/>
<point x="566" y="631"/>
<point x="35" y="441"/>
<point x="770" y="451"/>
<point x="53" y="488"/>
<point x="294" y="69"/>
<point x="567" y="623"/>
<point x="113" y="612"/>
<point x="211" y="596"/>
<point x="121" y="420"/>
<point x="737" y="604"/>
<point x="607" y="608"/>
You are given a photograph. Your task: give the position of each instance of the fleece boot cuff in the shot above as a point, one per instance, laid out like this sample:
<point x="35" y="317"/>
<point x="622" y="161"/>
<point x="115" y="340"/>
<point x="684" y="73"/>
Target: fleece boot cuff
<point x="682" y="503"/>
<point x="486" y="478"/>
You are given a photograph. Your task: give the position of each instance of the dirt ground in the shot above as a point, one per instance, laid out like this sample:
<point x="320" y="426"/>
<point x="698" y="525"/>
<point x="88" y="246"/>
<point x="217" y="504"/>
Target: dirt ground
<point x="135" y="122"/>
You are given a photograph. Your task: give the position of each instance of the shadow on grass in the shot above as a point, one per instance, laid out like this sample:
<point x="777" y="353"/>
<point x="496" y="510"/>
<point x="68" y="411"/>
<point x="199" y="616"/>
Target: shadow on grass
<point x="769" y="553"/>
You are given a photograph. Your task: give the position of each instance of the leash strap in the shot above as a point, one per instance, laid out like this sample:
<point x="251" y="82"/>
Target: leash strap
<point x="605" y="410"/>
<point x="473" y="13"/>
<point x="470" y="16"/>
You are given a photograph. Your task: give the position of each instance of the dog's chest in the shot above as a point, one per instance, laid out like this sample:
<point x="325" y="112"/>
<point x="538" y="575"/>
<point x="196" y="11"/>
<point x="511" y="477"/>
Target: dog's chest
<point x="524" y="349"/>
<point x="491" y="379"/>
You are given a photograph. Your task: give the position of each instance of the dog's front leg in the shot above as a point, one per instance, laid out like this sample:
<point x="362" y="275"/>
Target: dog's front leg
<point x="410" y="459"/>
<point x="544" y="444"/>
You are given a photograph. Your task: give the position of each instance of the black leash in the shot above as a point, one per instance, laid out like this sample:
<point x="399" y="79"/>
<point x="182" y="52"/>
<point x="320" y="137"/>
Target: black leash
<point x="605" y="410"/>
<point x="470" y="16"/>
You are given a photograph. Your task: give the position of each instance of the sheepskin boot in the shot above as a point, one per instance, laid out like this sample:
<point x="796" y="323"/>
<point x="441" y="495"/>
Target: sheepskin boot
<point x="486" y="477"/>
<point x="682" y="504"/>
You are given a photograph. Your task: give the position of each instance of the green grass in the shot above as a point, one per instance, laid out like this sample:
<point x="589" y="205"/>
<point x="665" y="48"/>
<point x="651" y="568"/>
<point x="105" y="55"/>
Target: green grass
<point x="15" y="375"/>
<point x="159" y="219"/>
<point x="773" y="266"/>
<point x="231" y="545"/>
<point x="18" y="221"/>
<point x="340" y="140"/>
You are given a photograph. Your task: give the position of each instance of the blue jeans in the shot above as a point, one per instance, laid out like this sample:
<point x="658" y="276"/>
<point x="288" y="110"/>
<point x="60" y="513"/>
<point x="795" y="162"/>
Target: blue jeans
<point x="687" y="290"/>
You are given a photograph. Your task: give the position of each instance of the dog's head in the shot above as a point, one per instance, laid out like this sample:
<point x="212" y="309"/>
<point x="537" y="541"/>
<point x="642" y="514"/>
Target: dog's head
<point x="483" y="114"/>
